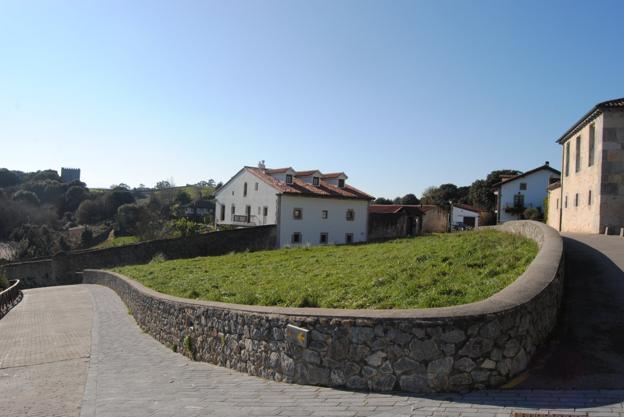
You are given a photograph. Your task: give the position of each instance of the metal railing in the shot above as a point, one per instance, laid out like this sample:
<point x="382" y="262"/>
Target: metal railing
<point x="9" y="297"/>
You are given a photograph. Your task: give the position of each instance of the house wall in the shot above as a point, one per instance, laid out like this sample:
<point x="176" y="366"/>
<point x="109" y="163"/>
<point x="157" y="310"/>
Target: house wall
<point x="232" y="193"/>
<point x="554" y="201"/>
<point x="537" y="190"/>
<point x="584" y="217"/>
<point x="312" y="225"/>
<point x="459" y="214"/>
<point x="435" y="220"/>
<point x="612" y="186"/>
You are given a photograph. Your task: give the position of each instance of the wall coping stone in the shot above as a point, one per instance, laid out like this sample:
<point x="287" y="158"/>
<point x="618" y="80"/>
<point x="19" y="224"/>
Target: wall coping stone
<point x="538" y="275"/>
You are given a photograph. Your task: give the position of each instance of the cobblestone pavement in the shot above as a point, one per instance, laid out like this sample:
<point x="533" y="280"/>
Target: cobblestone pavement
<point x="131" y="374"/>
<point x="44" y="349"/>
<point x="587" y="348"/>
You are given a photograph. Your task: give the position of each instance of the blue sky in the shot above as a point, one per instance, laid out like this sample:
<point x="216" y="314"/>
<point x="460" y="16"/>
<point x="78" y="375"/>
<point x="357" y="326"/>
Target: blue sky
<point x="399" y="94"/>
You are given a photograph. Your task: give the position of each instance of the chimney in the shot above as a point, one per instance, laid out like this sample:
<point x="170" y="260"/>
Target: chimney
<point x="261" y="164"/>
<point x="547" y="163"/>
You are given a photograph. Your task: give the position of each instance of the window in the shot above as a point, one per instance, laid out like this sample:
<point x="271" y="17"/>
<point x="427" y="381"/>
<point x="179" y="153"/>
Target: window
<point x="324" y="238"/>
<point x="259" y="210"/>
<point x="557" y="204"/>
<point x="315" y="181"/>
<point x="233" y="209"/>
<point x="567" y="159"/>
<point x="519" y="200"/>
<point x="565" y="202"/>
<point x="577" y="168"/>
<point x="341" y="183"/>
<point x="576" y="200"/>
<point x="592" y="145"/>
<point x="256" y="187"/>
<point x="296" y="238"/>
<point x="350" y="215"/>
<point x="245" y="190"/>
<point x="265" y="211"/>
<point x="288" y="179"/>
<point x="248" y="213"/>
<point x="222" y="212"/>
<point x="589" y="198"/>
<point x="324" y="214"/>
<point x="297" y="214"/>
<point x="523" y="186"/>
<point x="348" y="237"/>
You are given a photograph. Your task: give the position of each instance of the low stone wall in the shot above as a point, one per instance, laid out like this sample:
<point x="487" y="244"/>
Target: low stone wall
<point x="9" y="298"/>
<point x="471" y="346"/>
<point x="62" y="269"/>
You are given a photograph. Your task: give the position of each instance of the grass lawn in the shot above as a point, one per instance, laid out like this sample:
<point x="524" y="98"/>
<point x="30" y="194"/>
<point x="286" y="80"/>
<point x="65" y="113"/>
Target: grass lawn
<point x="431" y="271"/>
<point x="118" y="241"/>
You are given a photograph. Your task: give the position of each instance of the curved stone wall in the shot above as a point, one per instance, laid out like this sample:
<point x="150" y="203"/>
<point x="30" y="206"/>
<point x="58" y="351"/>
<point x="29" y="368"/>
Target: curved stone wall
<point x="471" y="346"/>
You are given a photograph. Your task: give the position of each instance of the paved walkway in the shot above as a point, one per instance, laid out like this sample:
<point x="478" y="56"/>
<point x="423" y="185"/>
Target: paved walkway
<point x="82" y="349"/>
<point x="44" y="349"/>
<point x="588" y="347"/>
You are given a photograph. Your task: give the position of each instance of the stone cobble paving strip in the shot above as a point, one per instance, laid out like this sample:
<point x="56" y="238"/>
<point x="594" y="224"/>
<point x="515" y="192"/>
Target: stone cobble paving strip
<point x="132" y="374"/>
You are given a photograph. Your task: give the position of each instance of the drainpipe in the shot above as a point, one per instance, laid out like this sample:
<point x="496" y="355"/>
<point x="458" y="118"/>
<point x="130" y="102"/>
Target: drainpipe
<point x="561" y="187"/>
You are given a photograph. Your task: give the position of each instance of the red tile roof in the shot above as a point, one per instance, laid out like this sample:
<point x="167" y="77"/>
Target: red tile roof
<point x="279" y="170"/>
<point x="306" y="173"/>
<point x="467" y="207"/>
<point x="393" y="208"/>
<point x="334" y="175"/>
<point x="298" y="187"/>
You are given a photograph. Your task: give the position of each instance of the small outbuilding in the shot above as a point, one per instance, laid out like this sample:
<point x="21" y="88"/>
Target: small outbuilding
<point x="464" y="216"/>
<point x="394" y="221"/>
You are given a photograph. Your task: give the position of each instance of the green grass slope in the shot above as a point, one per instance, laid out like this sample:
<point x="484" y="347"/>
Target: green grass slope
<point x="431" y="271"/>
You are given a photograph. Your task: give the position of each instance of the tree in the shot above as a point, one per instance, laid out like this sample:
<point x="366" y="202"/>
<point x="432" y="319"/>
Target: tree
<point x="8" y="178"/>
<point x="532" y="214"/>
<point x="74" y="196"/>
<point x="164" y="184"/>
<point x="481" y="192"/>
<point x="410" y="199"/>
<point x="382" y="200"/>
<point x="183" y="198"/>
<point x="90" y="212"/>
<point x="397" y="200"/>
<point x="27" y="197"/>
<point x="116" y="198"/>
<point x="121" y="185"/>
<point x="127" y="218"/>
<point x="48" y="174"/>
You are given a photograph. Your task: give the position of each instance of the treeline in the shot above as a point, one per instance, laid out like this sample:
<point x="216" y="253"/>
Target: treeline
<point x="38" y="211"/>
<point x="479" y="194"/>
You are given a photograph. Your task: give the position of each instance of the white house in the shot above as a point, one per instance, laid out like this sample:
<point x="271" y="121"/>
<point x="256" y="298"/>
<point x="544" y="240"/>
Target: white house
<point x="308" y="207"/>
<point x="517" y="193"/>
<point x="465" y="214"/>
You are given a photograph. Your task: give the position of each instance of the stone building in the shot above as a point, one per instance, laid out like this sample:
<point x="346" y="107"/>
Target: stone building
<point x="70" y="174"/>
<point x="590" y="197"/>
<point x="393" y="221"/>
<point x="435" y="218"/>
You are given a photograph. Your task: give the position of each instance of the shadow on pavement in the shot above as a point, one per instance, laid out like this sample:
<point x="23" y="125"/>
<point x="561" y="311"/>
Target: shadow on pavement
<point x="582" y="365"/>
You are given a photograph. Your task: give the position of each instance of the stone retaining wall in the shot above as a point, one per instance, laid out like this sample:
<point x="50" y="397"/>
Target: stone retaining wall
<point x="471" y="346"/>
<point x="62" y="268"/>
